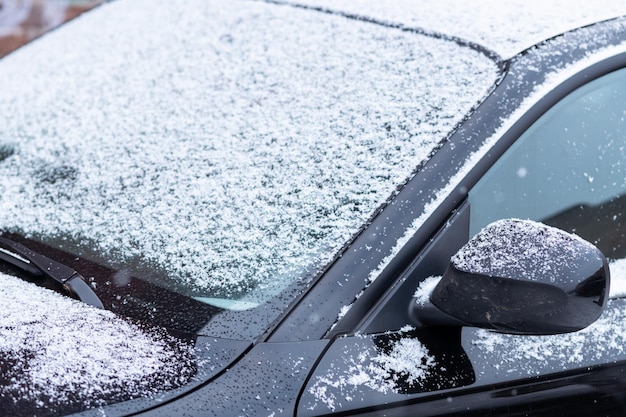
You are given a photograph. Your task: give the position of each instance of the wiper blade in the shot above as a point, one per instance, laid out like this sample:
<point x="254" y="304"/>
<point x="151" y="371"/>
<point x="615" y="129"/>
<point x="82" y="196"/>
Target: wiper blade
<point x="38" y="265"/>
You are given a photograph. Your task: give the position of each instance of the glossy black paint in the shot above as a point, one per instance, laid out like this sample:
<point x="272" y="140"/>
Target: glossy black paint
<point x="562" y="395"/>
<point x="472" y="380"/>
<point x="264" y="382"/>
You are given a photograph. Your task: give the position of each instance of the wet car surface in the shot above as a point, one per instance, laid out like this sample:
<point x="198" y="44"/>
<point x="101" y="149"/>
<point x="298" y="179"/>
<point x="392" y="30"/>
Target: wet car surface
<point x="268" y="234"/>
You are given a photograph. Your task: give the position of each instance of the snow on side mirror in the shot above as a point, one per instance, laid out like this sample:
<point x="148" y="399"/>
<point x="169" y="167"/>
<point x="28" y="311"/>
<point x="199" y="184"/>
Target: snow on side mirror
<point x="520" y="276"/>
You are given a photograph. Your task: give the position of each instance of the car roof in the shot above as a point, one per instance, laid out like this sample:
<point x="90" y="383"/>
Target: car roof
<point x="504" y="27"/>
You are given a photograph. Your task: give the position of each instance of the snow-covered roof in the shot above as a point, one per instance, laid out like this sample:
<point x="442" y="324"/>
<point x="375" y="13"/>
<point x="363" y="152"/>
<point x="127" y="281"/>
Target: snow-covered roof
<point x="505" y="27"/>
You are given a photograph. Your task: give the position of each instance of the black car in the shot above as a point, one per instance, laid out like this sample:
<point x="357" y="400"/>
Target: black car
<point x="267" y="208"/>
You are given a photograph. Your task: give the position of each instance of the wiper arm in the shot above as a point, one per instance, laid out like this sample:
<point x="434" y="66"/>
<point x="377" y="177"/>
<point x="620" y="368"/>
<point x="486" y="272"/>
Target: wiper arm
<point x="37" y="265"/>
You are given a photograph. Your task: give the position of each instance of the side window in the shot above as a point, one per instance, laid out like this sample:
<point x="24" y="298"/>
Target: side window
<point x="567" y="170"/>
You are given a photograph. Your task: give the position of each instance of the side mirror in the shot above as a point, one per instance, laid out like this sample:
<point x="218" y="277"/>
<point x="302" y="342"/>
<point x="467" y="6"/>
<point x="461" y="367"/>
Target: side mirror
<point x="519" y="276"/>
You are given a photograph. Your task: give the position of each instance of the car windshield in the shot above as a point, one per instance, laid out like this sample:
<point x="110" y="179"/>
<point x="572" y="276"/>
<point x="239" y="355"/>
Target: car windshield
<point x="226" y="162"/>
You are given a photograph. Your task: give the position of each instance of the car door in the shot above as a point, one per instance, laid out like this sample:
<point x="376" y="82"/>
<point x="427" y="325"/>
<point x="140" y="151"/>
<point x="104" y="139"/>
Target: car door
<point x="566" y="169"/>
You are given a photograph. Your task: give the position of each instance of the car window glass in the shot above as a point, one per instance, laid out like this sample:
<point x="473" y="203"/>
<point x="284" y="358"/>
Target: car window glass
<point x="566" y="170"/>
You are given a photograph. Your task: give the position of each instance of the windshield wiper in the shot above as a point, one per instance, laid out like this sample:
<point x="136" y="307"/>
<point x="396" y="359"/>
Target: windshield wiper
<point x="38" y="265"/>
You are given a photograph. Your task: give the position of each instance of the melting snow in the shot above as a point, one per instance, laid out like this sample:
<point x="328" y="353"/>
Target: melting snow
<point x="529" y="354"/>
<point x="58" y="351"/>
<point x="534" y="354"/>
<point x="409" y="359"/>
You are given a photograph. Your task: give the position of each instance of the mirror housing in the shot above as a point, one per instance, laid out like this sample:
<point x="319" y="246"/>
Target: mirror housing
<point x="520" y="276"/>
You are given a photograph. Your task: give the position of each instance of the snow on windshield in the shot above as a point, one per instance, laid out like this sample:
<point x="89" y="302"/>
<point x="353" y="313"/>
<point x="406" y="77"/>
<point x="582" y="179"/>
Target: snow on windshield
<point x="506" y="27"/>
<point x="58" y="351"/>
<point x="249" y="146"/>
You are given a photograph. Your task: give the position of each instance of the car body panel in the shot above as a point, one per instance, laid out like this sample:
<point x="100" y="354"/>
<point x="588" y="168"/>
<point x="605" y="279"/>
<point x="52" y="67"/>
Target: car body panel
<point x="360" y="372"/>
<point x="560" y="395"/>
<point x="265" y="382"/>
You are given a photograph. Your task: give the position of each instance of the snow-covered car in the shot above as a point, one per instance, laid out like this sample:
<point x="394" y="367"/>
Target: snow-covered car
<point x="274" y="208"/>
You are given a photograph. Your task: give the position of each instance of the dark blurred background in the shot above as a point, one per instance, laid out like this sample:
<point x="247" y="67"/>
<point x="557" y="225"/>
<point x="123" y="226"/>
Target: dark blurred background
<point x="23" y="20"/>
